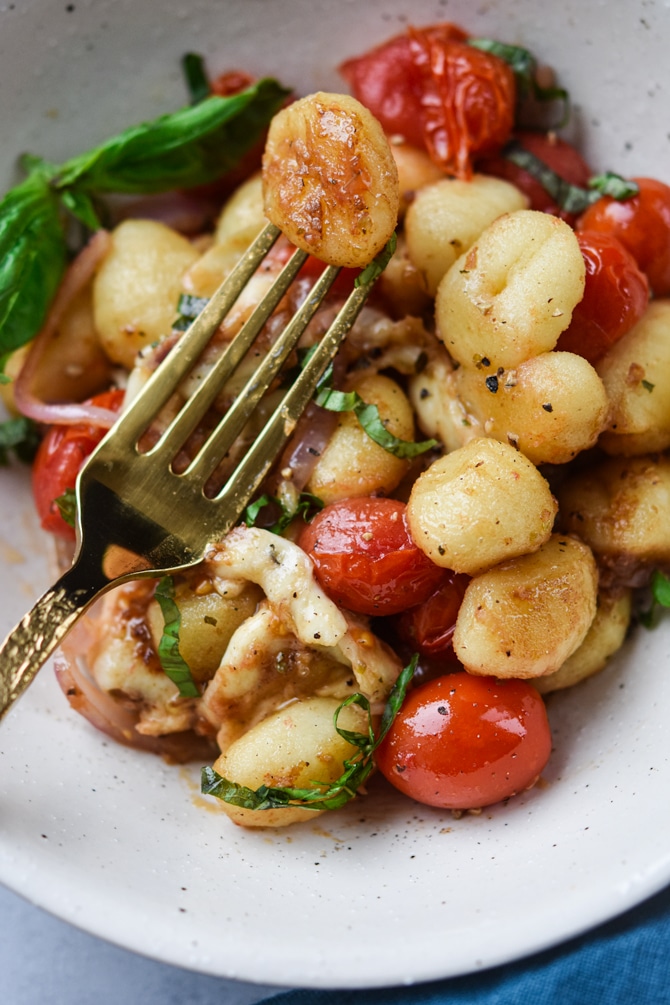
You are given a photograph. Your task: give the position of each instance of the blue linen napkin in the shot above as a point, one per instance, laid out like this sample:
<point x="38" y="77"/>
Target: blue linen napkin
<point x="623" y="962"/>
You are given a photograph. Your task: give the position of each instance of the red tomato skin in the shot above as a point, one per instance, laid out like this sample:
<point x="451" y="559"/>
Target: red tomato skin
<point x="462" y="742"/>
<point x="59" y="458"/>
<point x="365" y="558"/>
<point x="616" y="295"/>
<point x="387" y="81"/>
<point x="642" y="224"/>
<point x="553" y="151"/>
<point x="439" y="93"/>
<point x="429" y="627"/>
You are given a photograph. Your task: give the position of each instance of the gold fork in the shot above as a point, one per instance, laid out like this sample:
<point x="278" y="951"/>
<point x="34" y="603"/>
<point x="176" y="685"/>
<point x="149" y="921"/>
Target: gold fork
<point x="136" y="516"/>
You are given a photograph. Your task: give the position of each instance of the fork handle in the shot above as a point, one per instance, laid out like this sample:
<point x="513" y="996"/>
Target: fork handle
<point x="36" y="636"/>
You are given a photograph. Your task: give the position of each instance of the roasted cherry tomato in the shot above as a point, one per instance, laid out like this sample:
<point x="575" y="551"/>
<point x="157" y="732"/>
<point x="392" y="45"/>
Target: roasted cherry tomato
<point x="616" y="295"/>
<point x="642" y="224"/>
<point x="365" y="557"/>
<point x="432" y="88"/>
<point x="429" y="627"/>
<point x="461" y="742"/>
<point x="59" y="458"/>
<point x="557" y="154"/>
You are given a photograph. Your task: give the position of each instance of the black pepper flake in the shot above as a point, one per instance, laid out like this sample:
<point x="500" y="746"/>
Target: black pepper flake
<point x="317" y="635"/>
<point x="443" y="710"/>
<point x="313" y="452"/>
<point x="486" y="361"/>
<point x="548" y="407"/>
<point x="492" y="383"/>
<point x="424" y="393"/>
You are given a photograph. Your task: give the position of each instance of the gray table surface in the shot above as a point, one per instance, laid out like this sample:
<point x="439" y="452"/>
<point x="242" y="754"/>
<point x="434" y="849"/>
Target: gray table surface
<point x="44" y="961"/>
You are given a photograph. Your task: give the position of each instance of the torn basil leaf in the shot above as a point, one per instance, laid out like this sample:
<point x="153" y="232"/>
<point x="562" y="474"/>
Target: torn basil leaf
<point x="67" y="505"/>
<point x="570" y="198"/>
<point x="307" y="507"/>
<point x="374" y="270"/>
<point x="188" y="308"/>
<point x="613" y="185"/>
<point x="32" y="260"/>
<point x="321" y="796"/>
<point x="170" y="658"/>
<point x="370" y="420"/>
<point x="195" y="75"/>
<point x="660" y="597"/>
<point x="182" y="149"/>
<point x="524" y="66"/>
<point x="19" y="436"/>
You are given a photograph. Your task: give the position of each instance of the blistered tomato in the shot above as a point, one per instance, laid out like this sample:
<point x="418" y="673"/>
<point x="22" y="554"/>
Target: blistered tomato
<point x="642" y="224"/>
<point x="365" y="557"/>
<point x="462" y="742"/>
<point x="59" y="458"/>
<point x="616" y="294"/>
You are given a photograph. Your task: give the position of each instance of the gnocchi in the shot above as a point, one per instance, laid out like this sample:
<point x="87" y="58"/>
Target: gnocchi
<point x="475" y="496"/>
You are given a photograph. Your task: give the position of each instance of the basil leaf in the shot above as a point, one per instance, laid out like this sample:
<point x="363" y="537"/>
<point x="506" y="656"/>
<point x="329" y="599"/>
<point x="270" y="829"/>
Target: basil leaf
<point x="524" y="66"/>
<point x="370" y="420"/>
<point x="67" y="505"/>
<point x="171" y="659"/>
<point x="321" y="796"/>
<point x="570" y="198"/>
<point x="20" y="436"/>
<point x="378" y="263"/>
<point x="81" y="206"/>
<point x="614" y="185"/>
<point x="189" y="147"/>
<point x="660" y="597"/>
<point x="32" y="260"/>
<point x="197" y="81"/>
<point x="188" y="308"/>
<point x="308" y="506"/>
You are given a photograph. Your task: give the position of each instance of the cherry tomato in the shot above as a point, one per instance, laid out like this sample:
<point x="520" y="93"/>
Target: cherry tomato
<point x="461" y="742"/>
<point x="59" y="458"/>
<point x="642" y="224"/>
<point x="231" y="82"/>
<point x="557" y="154"/>
<point x="429" y="627"/>
<point x="616" y="295"/>
<point x="365" y="557"/>
<point x="438" y="92"/>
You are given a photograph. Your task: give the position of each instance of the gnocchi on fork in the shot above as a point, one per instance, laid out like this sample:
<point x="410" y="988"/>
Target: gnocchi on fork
<point x="138" y="515"/>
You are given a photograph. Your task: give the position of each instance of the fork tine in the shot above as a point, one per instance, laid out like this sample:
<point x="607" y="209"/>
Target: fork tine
<point x="196" y="406"/>
<point x="248" y="475"/>
<point x="161" y="385"/>
<point x="233" y="422"/>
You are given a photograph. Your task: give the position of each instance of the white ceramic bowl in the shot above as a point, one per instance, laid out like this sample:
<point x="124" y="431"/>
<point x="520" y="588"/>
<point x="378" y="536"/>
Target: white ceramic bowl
<point x="385" y="891"/>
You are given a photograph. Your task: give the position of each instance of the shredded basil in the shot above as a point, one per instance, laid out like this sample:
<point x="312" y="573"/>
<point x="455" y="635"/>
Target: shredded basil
<point x="660" y="597"/>
<point x="307" y="507"/>
<point x="524" y="66"/>
<point x="613" y="185"/>
<point x="186" y="148"/>
<point x="195" y="75"/>
<point x="321" y="796"/>
<point x="378" y="264"/>
<point x="19" y="436"/>
<point x="370" y="420"/>
<point x="67" y="504"/>
<point x="570" y="198"/>
<point x="170" y="658"/>
<point x="188" y="308"/>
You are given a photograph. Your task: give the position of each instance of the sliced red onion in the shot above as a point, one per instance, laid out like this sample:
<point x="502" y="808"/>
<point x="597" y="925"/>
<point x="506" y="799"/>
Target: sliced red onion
<point x="80" y="272"/>
<point x="110" y="715"/>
